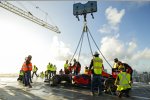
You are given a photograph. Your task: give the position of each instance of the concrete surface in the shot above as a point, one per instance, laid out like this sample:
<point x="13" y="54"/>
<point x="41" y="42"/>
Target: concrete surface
<point x="11" y="89"/>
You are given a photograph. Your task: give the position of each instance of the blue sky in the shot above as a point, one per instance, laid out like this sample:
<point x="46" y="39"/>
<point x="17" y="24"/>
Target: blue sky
<point x="120" y="29"/>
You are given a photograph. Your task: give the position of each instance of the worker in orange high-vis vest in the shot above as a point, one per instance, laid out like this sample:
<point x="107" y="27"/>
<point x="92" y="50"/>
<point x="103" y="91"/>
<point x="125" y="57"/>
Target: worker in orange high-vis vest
<point x="27" y="68"/>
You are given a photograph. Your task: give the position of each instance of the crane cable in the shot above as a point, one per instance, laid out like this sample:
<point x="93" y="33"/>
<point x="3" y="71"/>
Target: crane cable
<point x="81" y="45"/>
<point x="81" y="41"/>
<point x="86" y="29"/>
<point x="77" y="46"/>
<point x="98" y="48"/>
<point x="89" y="43"/>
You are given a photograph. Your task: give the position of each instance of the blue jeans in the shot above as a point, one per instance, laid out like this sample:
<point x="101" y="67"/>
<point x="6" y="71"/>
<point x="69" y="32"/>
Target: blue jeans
<point x="96" y="83"/>
<point x="27" y="77"/>
<point x="30" y="80"/>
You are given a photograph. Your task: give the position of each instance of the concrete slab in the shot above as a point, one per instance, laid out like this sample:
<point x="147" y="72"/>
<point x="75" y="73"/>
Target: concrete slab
<point x="11" y="89"/>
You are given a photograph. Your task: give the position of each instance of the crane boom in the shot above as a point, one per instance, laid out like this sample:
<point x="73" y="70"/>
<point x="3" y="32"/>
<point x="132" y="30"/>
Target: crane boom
<point x="27" y="15"/>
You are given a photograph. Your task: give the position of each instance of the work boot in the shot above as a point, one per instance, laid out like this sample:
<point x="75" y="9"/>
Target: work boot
<point x="100" y="93"/>
<point x="92" y="94"/>
<point x="30" y="86"/>
<point x="127" y="95"/>
<point x="119" y="94"/>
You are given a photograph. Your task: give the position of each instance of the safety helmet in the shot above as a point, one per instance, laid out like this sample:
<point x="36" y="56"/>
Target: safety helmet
<point x="96" y="53"/>
<point x="121" y="67"/>
<point x="29" y="56"/>
<point x="116" y="59"/>
<point x="74" y="60"/>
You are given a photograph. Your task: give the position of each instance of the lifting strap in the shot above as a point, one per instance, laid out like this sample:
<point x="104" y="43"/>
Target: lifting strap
<point x="87" y="31"/>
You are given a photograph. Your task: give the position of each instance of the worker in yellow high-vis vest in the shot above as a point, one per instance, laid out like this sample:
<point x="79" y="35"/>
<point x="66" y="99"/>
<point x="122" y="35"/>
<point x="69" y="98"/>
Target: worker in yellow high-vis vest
<point x="52" y="70"/>
<point x="66" y="66"/>
<point x="55" y="69"/>
<point x="86" y="70"/>
<point x="123" y="82"/>
<point x="21" y="75"/>
<point x="97" y="67"/>
<point x="34" y="70"/>
<point x="49" y="70"/>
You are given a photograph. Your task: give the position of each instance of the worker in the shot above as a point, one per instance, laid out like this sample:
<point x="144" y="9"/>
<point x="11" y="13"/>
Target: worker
<point x="52" y="70"/>
<point x="46" y="74"/>
<point x="21" y="74"/>
<point x="34" y="71"/>
<point x="61" y="72"/>
<point x="115" y="66"/>
<point x="70" y="68"/>
<point x="86" y="70"/>
<point x="30" y="69"/>
<point x="128" y="69"/>
<point x="66" y="67"/>
<point x="96" y="67"/>
<point x="77" y="67"/>
<point x="123" y="82"/>
<point x="49" y="70"/>
<point x="55" y="69"/>
<point x="42" y="75"/>
<point x="74" y="66"/>
<point x="27" y="68"/>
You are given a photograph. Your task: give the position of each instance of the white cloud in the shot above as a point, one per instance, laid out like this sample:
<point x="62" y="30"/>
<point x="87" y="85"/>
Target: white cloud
<point x="112" y="47"/>
<point x="131" y="47"/>
<point x="59" y="50"/>
<point x="141" y="55"/>
<point x="105" y="29"/>
<point x="113" y="17"/>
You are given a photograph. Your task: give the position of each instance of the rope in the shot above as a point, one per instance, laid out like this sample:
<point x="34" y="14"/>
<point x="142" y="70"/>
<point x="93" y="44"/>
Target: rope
<point x="80" y="47"/>
<point x="89" y="44"/>
<point x="77" y="46"/>
<point x="98" y="48"/>
<point x="86" y="29"/>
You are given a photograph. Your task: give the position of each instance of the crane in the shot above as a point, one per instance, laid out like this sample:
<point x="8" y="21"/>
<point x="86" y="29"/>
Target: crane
<point x="28" y="15"/>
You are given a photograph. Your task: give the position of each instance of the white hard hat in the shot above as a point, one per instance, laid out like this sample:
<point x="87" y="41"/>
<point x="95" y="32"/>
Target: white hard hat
<point x="96" y="53"/>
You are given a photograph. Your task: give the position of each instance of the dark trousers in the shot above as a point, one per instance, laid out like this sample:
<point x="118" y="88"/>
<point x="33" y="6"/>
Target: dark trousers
<point x="35" y="74"/>
<point x="52" y="73"/>
<point x="126" y="92"/>
<point x="75" y="72"/>
<point x="27" y="78"/>
<point x="96" y="83"/>
<point x="49" y="74"/>
<point x="30" y="80"/>
<point x="46" y="76"/>
<point x="66" y="71"/>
